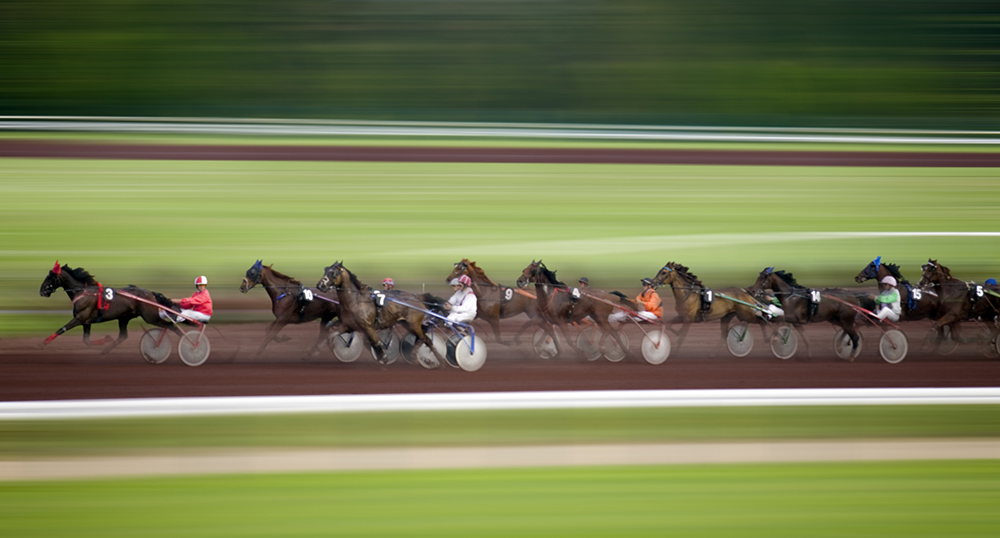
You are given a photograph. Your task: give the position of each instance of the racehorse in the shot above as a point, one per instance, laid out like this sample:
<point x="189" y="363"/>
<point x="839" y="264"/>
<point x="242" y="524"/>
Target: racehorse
<point x="959" y="300"/>
<point x="95" y="303"/>
<point x="359" y="311"/>
<point x="916" y="303"/>
<point x="689" y="293"/>
<point x="494" y="301"/>
<point x="558" y="305"/>
<point x="797" y="304"/>
<point x="291" y="303"/>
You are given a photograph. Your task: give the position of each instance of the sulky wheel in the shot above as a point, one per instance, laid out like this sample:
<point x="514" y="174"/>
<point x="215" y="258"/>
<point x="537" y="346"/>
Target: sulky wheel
<point x="656" y="347"/>
<point x="470" y="360"/>
<point x="155" y="345"/>
<point x="449" y="349"/>
<point x="739" y="340"/>
<point x="347" y="346"/>
<point x="612" y="351"/>
<point x="893" y="346"/>
<point x="784" y="342"/>
<point x="544" y="344"/>
<point x="589" y="343"/>
<point x="425" y="357"/>
<point x="194" y="348"/>
<point x="842" y="345"/>
<point x="407" y="348"/>
<point x="391" y="343"/>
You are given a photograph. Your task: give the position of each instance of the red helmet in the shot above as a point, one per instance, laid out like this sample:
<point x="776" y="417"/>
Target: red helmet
<point x="464" y="279"/>
<point x="201" y="281"/>
<point x="388" y="282"/>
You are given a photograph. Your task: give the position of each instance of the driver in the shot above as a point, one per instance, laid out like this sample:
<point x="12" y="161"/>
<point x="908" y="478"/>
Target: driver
<point x="388" y="284"/>
<point x="887" y="303"/>
<point x="462" y="304"/>
<point x="198" y="306"/>
<point x="649" y="304"/>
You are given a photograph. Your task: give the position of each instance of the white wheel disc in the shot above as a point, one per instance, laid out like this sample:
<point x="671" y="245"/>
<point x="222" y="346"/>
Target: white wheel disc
<point x="589" y="343"/>
<point x="842" y="345"/>
<point x="194" y="348"/>
<point x="347" y="346"/>
<point x="784" y="342"/>
<point x="656" y="347"/>
<point x="739" y="340"/>
<point x="467" y="360"/>
<point x="996" y="343"/>
<point x="391" y="343"/>
<point x="425" y="357"/>
<point x="893" y="346"/>
<point x="153" y="353"/>
<point x="612" y="351"/>
<point x="543" y="344"/>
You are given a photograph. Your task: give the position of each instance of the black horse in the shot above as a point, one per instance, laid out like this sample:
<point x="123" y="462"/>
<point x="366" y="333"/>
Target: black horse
<point x="291" y="302"/>
<point x="359" y="311"/>
<point x="95" y="303"/>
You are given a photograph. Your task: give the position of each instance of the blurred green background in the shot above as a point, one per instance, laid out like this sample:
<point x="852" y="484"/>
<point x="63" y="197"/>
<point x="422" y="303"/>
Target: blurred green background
<point x="772" y="62"/>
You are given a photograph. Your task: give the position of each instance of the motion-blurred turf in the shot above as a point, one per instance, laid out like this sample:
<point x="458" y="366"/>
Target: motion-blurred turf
<point x="884" y="499"/>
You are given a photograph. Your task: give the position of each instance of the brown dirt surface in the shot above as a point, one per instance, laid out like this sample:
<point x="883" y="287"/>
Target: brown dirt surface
<point x="66" y="369"/>
<point x="101" y="150"/>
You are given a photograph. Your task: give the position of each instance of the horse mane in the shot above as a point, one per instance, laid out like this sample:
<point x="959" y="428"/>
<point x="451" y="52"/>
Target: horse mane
<point x="479" y="272"/>
<point x="788" y="278"/>
<point x="894" y="269"/>
<point x="354" y="280"/>
<point x="686" y="273"/>
<point x="551" y="275"/>
<point x="80" y="274"/>
<point x="279" y="274"/>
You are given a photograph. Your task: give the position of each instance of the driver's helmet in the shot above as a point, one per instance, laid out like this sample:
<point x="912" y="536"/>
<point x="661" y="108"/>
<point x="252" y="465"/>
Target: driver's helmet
<point x="991" y="282"/>
<point x="201" y="281"/>
<point x="465" y="280"/>
<point x="388" y="282"/>
<point x="890" y="281"/>
<point x="647" y="282"/>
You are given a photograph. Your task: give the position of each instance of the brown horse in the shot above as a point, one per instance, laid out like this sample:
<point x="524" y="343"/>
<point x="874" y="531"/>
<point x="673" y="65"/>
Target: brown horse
<point x="796" y="302"/>
<point x="95" y="303"/>
<point x="688" y="300"/>
<point x="358" y="309"/>
<point x="290" y="303"/>
<point x="960" y="301"/>
<point x="557" y="304"/>
<point x="496" y="302"/>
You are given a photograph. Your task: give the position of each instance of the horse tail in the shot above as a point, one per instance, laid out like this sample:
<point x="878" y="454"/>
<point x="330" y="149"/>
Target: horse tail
<point x="866" y="302"/>
<point x="624" y="300"/>
<point x="433" y="303"/>
<point x="164" y="300"/>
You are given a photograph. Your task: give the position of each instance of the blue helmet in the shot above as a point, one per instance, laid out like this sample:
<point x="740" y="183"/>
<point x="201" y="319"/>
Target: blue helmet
<point x="991" y="281"/>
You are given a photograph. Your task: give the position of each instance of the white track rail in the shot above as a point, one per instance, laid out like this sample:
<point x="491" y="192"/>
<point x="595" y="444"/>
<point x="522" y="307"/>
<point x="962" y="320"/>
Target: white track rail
<point x="172" y="407"/>
<point x="680" y="133"/>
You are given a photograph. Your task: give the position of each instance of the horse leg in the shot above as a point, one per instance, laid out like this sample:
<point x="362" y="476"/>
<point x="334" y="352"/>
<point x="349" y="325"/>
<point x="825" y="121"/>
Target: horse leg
<point x="272" y="331"/>
<point x="122" y="335"/>
<point x="605" y="325"/>
<point x="417" y="330"/>
<point x="86" y="335"/>
<point x="495" y="323"/>
<point x="724" y="329"/>
<point x="72" y="323"/>
<point x="324" y="333"/>
<point x="805" y="340"/>
<point x="532" y="322"/>
<point x="377" y="348"/>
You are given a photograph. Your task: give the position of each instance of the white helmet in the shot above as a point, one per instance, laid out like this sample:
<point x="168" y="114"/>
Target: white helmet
<point x="201" y="281"/>
<point x="890" y="281"/>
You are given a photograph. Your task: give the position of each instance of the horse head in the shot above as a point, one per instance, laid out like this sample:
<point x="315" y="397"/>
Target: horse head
<point x="870" y="271"/>
<point x="931" y="273"/>
<point x="252" y="277"/>
<point x="52" y="281"/>
<point x="665" y="275"/>
<point x="763" y="282"/>
<point x="529" y="274"/>
<point x="460" y="269"/>
<point x="333" y="277"/>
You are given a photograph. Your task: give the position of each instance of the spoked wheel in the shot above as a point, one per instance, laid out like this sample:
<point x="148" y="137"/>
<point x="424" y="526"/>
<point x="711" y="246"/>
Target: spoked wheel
<point x="784" y="342"/>
<point x="948" y="345"/>
<point x="988" y="344"/>
<point x="544" y="344"/>
<point x="893" y="346"/>
<point x="425" y="357"/>
<point x="589" y="343"/>
<point x="842" y="345"/>
<point x="612" y="351"/>
<point x="155" y="345"/>
<point x="347" y="346"/>
<point x="194" y="348"/>
<point x="739" y="340"/>
<point x="467" y="359"/>
<point x="656" y="346"/>
<point x="391" y="343"/>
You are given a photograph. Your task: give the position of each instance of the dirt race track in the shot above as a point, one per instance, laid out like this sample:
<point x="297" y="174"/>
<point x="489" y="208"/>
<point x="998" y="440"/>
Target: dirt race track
<point x="68" y="370"/>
